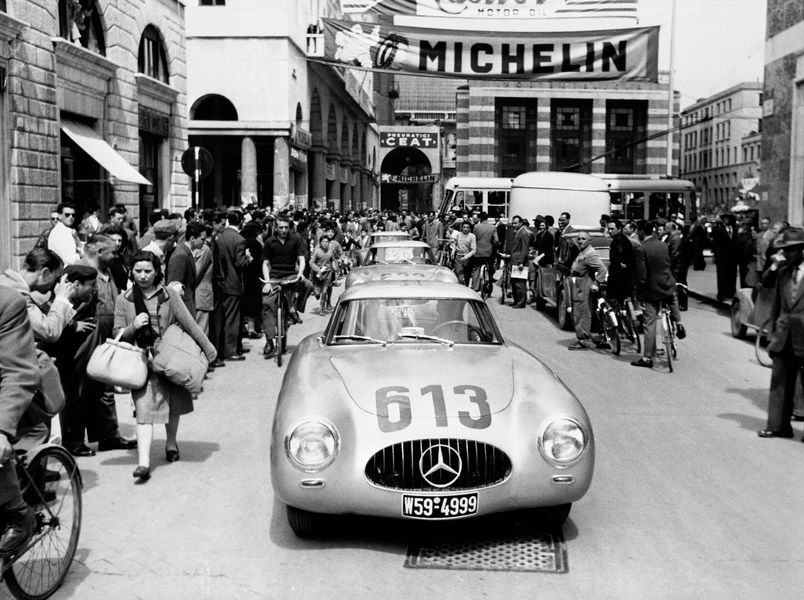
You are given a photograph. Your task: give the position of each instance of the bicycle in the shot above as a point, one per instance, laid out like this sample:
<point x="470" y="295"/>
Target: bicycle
<point x="609" y="324"/>
<point x="505" y="277"/>
<point x="630" y="324"/>
<point x="444" y="253"/>
<point x="282" y="314"/>
<point x="484" y="278"/>
<point x="666" y="331"/>
<point x="51" y="484"/>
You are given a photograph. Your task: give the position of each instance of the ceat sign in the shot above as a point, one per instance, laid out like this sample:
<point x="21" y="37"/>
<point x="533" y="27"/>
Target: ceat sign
<point x="414" y="139"/>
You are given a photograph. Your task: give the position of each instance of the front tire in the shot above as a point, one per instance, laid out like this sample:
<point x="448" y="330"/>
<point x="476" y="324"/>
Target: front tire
<point x="564" y="316"/>
<point x="613" y="338"/>
<point x="305" y="524"/>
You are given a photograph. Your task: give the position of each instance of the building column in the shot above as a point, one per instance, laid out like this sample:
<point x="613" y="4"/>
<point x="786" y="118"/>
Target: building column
<point x="346" y="199"/>
<point x="318" y="177"/>
<point x="356" y="189"/>
<point x="598" y="134"/>
<point x="334" y="184"/>
<point x="248" y="170"/>
<point x="281" y="173"/>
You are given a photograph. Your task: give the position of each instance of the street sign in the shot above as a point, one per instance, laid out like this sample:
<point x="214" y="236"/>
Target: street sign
<point x="199" y="158"/>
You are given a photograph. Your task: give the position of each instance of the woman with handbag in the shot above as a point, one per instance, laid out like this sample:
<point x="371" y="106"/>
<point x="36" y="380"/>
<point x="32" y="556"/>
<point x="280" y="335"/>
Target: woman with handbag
<point x="144" y="313"/>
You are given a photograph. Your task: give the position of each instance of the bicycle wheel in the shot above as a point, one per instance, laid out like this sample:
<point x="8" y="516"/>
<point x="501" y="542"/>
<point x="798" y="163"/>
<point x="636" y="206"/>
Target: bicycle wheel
<point x="503" y="284"/>
<point x="280" y="331"/>
<point x="667" y="337"/>
<point x="40" y="569"/>
<point x="630" y="331"/>
<point x="612" y="334"/>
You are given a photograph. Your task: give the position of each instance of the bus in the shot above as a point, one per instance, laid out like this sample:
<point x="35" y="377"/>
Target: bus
<point x="490" y="194"/>
<point x="651" y="197"/>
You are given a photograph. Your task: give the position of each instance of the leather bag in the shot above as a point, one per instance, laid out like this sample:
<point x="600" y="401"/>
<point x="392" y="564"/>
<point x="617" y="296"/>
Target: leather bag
<point x="119" y="363"/>
<point x="49" y="398"/>
<point x="178" y="357"/>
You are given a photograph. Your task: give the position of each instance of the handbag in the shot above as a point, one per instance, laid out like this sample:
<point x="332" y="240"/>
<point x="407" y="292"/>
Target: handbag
<point x="119" y="363"/>
<point x="178" y="357"/>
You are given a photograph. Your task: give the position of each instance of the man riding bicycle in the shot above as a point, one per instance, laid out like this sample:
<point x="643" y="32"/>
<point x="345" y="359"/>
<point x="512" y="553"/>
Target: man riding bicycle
<point x="622" y="265"/>
<point x="283" y="257"/>
<point x="19" y="380"/>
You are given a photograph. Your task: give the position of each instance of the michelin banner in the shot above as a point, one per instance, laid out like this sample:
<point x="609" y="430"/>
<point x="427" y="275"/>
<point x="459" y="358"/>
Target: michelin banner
<point x="625" y="54"/>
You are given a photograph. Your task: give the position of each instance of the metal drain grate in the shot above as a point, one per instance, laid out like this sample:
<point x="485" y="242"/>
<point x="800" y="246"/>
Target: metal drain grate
<point x="544" y="553"/>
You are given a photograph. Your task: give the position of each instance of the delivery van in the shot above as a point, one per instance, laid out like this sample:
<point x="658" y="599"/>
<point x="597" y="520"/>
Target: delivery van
<point x="489" y="194"/>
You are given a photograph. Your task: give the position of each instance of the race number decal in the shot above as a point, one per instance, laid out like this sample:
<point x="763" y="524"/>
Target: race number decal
<point x="394" y="411"/>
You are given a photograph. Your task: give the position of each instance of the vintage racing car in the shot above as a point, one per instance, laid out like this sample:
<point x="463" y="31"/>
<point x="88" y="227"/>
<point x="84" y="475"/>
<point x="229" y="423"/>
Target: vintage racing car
<point x="403" y="259"/>
<point x="412" y="406"/>
<point x="378" y="237"/>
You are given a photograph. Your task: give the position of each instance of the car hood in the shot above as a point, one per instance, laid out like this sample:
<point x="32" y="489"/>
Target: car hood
<point x="410" y="369"/>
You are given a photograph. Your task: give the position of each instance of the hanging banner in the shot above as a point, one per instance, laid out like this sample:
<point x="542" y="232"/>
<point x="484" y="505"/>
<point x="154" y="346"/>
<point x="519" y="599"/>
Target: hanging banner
<point x="624" y="54"/>
<point x="517" y="9"/>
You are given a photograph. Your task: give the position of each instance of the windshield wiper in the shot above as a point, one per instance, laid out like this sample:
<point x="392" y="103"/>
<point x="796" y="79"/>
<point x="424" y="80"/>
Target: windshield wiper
<point x="360" y="338"/>
<point x="431" y="338"/>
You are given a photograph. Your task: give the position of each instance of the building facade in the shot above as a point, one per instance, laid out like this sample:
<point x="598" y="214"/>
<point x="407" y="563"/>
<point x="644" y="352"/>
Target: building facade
<point x="508" y="128"/>
<point x="92" y="110"/>
<point x="782" y="181"/>
<point x="283" y="131"/>
<point x="711" y="143"/>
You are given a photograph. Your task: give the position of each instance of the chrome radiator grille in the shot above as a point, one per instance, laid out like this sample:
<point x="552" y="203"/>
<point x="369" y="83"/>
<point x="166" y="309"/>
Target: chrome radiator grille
<point x="438" y="464"/>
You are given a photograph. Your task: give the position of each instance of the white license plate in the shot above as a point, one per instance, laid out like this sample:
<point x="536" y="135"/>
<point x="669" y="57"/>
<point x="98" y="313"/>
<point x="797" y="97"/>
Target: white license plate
<point x="439" y="507"/>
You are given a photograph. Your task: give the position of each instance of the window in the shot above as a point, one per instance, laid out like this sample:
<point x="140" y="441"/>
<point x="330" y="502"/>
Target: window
<point x="625" y="128"/>
<point x="513" y="117"/>
<point x="2" y="5"/>
<point x="515" y="136"/>
<point x="151" y="60"/>
<point x="211" y="2"/>
<point x="570" y="135"/>
<point x="79" y="22"/>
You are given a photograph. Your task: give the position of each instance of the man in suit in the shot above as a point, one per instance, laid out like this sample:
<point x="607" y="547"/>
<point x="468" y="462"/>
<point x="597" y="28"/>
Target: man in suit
<point x="520" y="249"/>
<point x="19" y="380"/>
<point x="724" y="247"/>
<point x="655" y="284"/>
<point x="181" y="274"/>
<point x="786" y="345"/>
<point x="622" y="264"/>
<point x="230" y="258"/>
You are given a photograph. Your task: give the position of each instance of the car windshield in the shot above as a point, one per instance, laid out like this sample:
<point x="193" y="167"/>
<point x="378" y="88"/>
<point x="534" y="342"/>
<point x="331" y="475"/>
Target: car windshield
<point x="391" y="236"/>
<point x="401" y="254"/>
<point x="413" y="320"/>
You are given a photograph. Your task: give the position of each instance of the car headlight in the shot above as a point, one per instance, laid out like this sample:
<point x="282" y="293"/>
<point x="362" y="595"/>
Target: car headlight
<point x="563" y="441"/>
<point x="312" y="445"/>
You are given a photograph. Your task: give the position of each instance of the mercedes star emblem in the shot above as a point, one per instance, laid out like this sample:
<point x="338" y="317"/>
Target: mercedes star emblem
<point x="440" y="465"/>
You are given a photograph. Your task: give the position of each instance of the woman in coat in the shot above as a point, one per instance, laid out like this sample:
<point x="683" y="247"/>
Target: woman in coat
<point x="144" y="312"/>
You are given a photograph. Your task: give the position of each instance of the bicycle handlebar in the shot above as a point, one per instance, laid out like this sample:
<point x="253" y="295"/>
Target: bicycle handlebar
<point x="281" y="282"/>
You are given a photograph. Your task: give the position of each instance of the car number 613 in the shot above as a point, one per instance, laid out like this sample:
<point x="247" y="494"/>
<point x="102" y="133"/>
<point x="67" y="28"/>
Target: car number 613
<point x="400" y="397"/>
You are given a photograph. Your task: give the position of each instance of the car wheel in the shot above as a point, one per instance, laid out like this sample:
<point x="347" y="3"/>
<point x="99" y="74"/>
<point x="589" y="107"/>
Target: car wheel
<point x="550" y="518"/>
<point x="738" y="329"/>
<point x="564" y="316"/>
<point x="305" y="524"/>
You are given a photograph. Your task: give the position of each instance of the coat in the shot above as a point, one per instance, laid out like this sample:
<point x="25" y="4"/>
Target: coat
<point x="655" y="282"/>
<point x="622" y="263"/>
<point x="19" y="370"/>
<point x="204" y="299"/>
<point x="520" y="246"/>
<point x="787" y="310"/>
<point x="181" y="268"/>
<point x="230" y="259"/>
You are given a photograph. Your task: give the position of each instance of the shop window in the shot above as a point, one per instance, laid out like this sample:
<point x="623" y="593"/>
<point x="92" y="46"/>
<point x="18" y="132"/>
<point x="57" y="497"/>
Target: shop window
<point x="79" y="22"/>
<point x="151" y="60"/>
<point x="625" y="127"/>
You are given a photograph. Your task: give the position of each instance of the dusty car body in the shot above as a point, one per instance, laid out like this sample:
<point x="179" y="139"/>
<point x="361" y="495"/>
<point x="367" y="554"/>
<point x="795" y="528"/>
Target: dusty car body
<point x="388" y="414"/>
<point x="400" y="260"/>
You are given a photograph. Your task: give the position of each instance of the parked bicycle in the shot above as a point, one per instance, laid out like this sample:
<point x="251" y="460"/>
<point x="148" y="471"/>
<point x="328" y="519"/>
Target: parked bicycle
<point x="444" y="256"/>
<point x="609" y="324"/>
<point x="282" y="313"/>
<point x="666" y="332"/>
<point x="505" y="277"/>
<point x="630" y="323"/>
<point x="51" y="484"/>
<point x="484" y="280"/>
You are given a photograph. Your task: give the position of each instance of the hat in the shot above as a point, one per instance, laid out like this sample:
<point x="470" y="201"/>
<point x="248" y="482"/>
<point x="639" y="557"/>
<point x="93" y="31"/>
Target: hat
<point x="164" y="228"/>
<point x="79" y="272"/>
<point x="790" y="238"/>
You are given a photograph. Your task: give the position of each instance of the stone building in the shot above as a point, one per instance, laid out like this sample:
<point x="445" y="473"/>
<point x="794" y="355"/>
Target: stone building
<point x="92" y="110"/>
<point x="508" y="128"/>
<point x="782" y="180"/>
<point x="281" y="129"/>
<point x="711" y="143"/>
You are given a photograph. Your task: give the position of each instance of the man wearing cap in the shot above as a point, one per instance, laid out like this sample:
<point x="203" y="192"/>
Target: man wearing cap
<point x="164" y="237"/>
<point x="786" y="345"/>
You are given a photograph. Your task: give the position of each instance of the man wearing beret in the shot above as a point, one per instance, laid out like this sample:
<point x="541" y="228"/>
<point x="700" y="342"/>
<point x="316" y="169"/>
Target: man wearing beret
<point x="164" y="232"/>
<point x="786" y="345"/>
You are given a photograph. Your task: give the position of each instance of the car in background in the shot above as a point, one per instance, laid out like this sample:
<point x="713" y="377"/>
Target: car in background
<point x="399" y="260"/>
<point x="388" y="414"/>
<point x="378" y="237"/>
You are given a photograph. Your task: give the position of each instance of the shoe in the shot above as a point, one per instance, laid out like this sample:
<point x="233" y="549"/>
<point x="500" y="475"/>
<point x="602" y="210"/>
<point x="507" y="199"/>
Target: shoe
<point x="244" y="351"/>
<point x="603" y="345"/>
<point x="769" y="433"/>
<point x="269" y="351"/>
<point x="681" y="333"/>
<point x="797" y="418"/>
<point x="82" y="450"/>
<point x="236" y="357"/>
<point x="643" y="362"/>
<point x="116" y="443"/>
<point x="20" y="524"/>
<point x="518" y="305"/>
<point x="142" y="473"/>
<point x="293" y="315"/>
<point x="217" y="363"/>
<point x="579" y="345"/>
<point x="172" y="455"/>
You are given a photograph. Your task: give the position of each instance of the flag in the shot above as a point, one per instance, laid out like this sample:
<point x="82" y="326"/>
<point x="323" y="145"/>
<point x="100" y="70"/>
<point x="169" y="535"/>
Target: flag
<point x="523" y="9"/>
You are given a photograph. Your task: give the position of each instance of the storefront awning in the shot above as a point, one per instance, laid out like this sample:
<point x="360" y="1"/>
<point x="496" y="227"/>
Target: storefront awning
<point x="106" y="156"/>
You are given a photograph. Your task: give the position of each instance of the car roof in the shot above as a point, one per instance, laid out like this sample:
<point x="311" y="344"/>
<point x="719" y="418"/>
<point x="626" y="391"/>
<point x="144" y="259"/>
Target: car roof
<point x="409" y="289"/>
<point x="398" y="233"/>
<point x="401" y="244"/>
